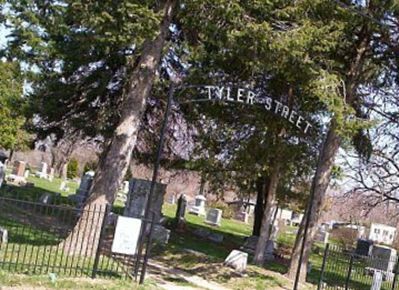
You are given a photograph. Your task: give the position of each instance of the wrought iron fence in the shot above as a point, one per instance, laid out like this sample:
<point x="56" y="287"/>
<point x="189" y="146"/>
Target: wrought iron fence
<point x="40" y="236"/>
<point x="344" y="269"/>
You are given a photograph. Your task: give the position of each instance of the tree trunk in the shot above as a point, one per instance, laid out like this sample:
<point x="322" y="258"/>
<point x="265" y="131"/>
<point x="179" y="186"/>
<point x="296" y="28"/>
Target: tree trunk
<point x="259" y="258"/>
<point x="327" y="156"/>
<point x="113" y="166"/>
<point x="321" y="182"/>
<point x="261" y="187"/>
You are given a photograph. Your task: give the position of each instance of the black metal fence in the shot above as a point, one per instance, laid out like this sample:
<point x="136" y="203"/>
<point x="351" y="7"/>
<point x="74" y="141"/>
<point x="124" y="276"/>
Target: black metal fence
<point x="344" y="269"/>
<point x="39" y="236"/>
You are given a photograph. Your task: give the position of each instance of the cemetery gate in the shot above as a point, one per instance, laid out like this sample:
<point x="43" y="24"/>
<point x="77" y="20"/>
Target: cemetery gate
<point x="33" y="233"/>
<point x="346" y="269"/>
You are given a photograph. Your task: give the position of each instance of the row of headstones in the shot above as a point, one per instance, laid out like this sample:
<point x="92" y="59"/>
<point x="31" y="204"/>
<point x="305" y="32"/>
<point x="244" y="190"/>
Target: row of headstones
<point x="19" y="172"/>
<point x="213" y="216"/>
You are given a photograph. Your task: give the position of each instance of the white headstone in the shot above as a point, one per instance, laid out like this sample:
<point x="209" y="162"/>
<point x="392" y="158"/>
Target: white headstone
<point x="125" y="188"/>
<point x="51" y="174"/>
<point x="237" y="260"/>
<point x="126" y="236"/>
<point x="199" y="206"/>
<point x="214" y="216"/>
<point x="43" y="171"/>
<point x="26" y="174"/>
<point x="377" y="280"/>
<point x="2" y="173"/>
<point x="3" y="235"/>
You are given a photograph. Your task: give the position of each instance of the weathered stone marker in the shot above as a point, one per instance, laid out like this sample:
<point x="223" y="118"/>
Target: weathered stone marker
<point x="82" y="193"/>
<point x="199" y="206"/>
<point x="214" y="217"/>
<point x="237" y="260"/>
<point x="181" y="209"/>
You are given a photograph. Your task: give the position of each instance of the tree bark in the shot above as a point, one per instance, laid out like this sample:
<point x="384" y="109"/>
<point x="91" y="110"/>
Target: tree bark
<point x="322" y="180"/>
<point x="259" y="258"/>
<point x="261" y="187"/>
<point x="327" y="156"/>
<point x="113" y="166"/>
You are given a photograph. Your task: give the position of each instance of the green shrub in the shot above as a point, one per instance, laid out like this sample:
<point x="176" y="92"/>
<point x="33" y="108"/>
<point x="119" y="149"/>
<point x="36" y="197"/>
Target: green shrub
<point x="227" y="211"/>
<point x="72" y="169"/>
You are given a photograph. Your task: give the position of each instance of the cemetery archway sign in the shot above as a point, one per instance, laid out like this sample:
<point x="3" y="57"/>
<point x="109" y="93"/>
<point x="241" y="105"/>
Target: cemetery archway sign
<point x="225" y="94"/>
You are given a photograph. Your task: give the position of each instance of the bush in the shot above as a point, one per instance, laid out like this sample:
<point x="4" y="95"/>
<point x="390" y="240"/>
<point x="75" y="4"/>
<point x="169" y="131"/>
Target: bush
<point x="345" y="237"/>
<point x="227" y="211"/>
<point x="72" y="169"/>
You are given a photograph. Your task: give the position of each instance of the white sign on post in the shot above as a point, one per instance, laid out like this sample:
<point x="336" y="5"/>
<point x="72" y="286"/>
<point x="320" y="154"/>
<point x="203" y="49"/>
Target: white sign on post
<point x="126" y="236"/>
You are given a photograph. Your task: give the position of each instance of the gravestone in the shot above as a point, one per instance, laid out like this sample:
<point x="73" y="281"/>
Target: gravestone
<point x="269" y="251"/>
<point x="214" y="217"/>
<point x="161" y="234"/>
<point x="64" y="171"/>
<point x="137" y="199"/>
<point x="43" y="171"/>
<point x="377" y="281"/>
<point x="171" y="199"/>
<point x="3" y="235"/>
<point x="250" y="247"/>
<point x="19" y="168"/>
<point x="383" y="259"/>
<point x="125" y="187"/>
<point x="18" y="172"/>
<point x="51" y="174"/>
<point x="363" y="247"/>
<point x="237" y="260"/>
<point x="202" y="233"/>
<point x="27" y="173"/>
<point x="216" y="238"/>
<point x="2" y="173"/>
<point x="46" y="198"/>
<point x="82" y="193"/>
<point x="199" y="206"/>
<point x="322" y="236"/>
<point x="181" y="209"/>
<point x="242" y="216"/>
<point x="64" y="186"/>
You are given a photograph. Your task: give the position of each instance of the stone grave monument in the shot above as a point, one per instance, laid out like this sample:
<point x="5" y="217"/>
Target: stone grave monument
<point x="2" y="173"/>
<point x="125" y="187"/>
<point x="51" y="174"/>
<point x="19" y="168"/>
<point x="199" y="206"/>
<point x="43" y="171"/>
<point x="18" y="173"/>
<point x="136" y="202"/>
<point x="82" y="193"/>
<point x="237" y="260"/>
<point x="181" y="209"/>
<point x="363" y="247"/>
<point x="137" y="199"/>
<point x="214" y="217"/>
<point x="3" y="235"/>
<point x="242" y="216"/>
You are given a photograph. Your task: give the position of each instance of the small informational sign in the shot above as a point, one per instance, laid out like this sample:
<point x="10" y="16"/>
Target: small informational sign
<point x="126" y="236"/>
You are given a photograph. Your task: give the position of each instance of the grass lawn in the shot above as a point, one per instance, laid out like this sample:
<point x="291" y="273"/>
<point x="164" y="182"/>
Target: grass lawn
<point x="22" y="282"/>
<point x="185" y="250"/>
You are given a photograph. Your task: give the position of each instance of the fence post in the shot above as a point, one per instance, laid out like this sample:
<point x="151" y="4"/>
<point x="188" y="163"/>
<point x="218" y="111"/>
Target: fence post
<point x="395" y="277"/>
<point x="323" y="265"/>
<point x="349" y="272"/>
<point x="99" y="244"/>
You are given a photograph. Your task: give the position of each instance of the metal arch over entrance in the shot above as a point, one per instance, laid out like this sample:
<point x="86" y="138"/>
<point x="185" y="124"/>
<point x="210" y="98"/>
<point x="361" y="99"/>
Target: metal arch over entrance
<point x="246" y="96"/>
<point x="226" y="94"/>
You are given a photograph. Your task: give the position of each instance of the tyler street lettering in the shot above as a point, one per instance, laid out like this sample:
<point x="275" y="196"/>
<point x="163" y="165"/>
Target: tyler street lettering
<point x="247" y="96"/>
